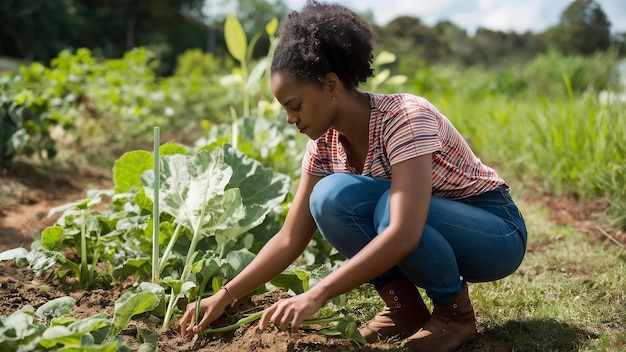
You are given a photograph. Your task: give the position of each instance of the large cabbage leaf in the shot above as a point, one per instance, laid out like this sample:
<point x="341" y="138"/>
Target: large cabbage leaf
<point x="193" y="191"/>
<point x="219" y="192"/>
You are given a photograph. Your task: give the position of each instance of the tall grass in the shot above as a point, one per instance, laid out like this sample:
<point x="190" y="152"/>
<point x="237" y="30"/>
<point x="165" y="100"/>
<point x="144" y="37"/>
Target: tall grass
<point x="568" y="144"/>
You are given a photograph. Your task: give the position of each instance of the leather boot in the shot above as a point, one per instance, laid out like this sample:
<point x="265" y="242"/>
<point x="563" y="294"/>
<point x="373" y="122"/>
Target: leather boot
<point x="448" y="328"/>
<point x="404" y="313"/>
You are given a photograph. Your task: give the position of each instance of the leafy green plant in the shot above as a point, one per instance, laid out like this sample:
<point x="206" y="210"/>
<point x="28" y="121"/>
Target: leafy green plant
<point x="210" y="200"/>
<point x="214" y="194"/>
<point x="80" y="230"/>
<point x="59" y="332"/>
<point x="24" y="128"/>
<point x="241" y="50"/>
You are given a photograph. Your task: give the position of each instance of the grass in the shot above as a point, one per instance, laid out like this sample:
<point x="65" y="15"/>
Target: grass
<point x="568" y="295"/>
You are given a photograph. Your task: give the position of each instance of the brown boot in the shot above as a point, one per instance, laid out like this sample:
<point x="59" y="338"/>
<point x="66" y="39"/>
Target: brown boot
<point x="404" y="314"/>
<point x="448" y="328"/>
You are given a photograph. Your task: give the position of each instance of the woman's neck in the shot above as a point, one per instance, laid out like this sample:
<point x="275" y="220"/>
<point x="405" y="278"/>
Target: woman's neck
<point x="353" y="118"/>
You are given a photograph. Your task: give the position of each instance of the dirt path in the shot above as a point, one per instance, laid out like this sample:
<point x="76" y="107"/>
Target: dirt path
<point x="28" y="193"/>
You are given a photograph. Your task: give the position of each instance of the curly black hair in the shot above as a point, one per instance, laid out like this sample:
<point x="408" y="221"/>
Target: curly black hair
<point x="323" y="38"/>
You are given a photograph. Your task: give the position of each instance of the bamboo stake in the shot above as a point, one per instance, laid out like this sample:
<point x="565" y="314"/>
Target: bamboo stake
<point x="155" y="210"/>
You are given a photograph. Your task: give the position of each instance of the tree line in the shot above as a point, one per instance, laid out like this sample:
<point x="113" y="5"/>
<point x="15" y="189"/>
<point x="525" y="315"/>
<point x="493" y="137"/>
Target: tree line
<point x="37" y="30"/>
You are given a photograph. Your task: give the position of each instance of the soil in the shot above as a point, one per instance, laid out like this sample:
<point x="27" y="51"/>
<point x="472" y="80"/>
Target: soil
<point x="27" y="193"/>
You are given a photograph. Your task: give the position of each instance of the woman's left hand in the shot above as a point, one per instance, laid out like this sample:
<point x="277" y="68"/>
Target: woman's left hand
<point x="290" y="312"/>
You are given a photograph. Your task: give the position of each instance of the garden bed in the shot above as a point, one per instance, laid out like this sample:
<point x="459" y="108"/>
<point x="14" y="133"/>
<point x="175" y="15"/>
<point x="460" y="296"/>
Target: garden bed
<point x="29" y="194"/>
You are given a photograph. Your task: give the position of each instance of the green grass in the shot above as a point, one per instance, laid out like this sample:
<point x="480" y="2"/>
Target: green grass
<point x="568" y="295"/>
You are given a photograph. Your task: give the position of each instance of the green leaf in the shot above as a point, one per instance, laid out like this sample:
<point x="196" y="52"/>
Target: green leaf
<point x="56" y="308"/>
<point x="172" y="148"/>
<point x="130" y="304"/>
<point x="258" y="185"/>
<point x="72" y="334"/>
<point x="257" y="74"/>
<point x="384" y="57"/>
<point x="304" y="277"/>
<point x="19" y="325"/>
<point x="205" y="270"/>
<point x="289" y="281"/>
<point x="14" y="253"/>
<point x="149" y="338"/>
<point x="150" y="287"/>
<point x="235" y="37"/>
<point x="40" y="259"/>
<point x="226" y="211"/>
<point x="93" y="199"/>
<point x="18" y="140"/>
<point x="52" y="238"/>
<point x="188" y="185"/>
<point x="109" y="346"/>
<point x="261" y="190"/>
<point x="346" y="327"/>
<point x="64" y="320"/>
<point x="128" y="169"/>
<point x="271" y="27"/>
<point x="238" y="260"/>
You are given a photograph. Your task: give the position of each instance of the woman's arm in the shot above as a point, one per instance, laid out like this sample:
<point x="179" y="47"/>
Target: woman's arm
<point x="284" y="247"/>
<point x="411" y="188"/>
<point x="277" y="254"/>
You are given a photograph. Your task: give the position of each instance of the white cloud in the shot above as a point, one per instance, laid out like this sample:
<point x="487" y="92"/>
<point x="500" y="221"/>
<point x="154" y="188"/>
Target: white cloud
<point x="512" y="15"/>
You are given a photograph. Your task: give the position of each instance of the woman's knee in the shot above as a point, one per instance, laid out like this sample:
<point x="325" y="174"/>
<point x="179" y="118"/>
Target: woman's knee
<point x="325" y="197"/>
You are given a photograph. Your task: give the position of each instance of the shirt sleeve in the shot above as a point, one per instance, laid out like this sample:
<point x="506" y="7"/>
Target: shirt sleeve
<point x="411" y="132"/>
<point x="311" y="162"/>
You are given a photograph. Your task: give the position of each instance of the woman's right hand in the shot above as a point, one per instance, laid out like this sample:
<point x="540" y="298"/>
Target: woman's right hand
<point x="210" y="309"/>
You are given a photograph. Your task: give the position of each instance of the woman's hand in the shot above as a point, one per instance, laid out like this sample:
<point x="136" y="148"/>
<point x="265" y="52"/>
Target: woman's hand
<point x="210" y="309"/>
<point x="290" y="312"/>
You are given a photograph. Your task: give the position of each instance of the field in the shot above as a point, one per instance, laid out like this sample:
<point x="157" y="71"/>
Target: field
<point x="557" y="301"/>
<point x="78" y="186"/>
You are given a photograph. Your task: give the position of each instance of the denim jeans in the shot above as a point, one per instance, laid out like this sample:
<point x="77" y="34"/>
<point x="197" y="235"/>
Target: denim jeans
<point x="476" y="239"/>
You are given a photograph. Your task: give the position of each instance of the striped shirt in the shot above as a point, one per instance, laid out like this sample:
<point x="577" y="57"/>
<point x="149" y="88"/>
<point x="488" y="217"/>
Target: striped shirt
<point x="401" y="127"/>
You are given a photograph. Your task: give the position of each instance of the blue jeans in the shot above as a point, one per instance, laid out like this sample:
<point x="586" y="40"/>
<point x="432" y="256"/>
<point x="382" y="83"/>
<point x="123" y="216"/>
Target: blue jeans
<point x="475" y="239"/>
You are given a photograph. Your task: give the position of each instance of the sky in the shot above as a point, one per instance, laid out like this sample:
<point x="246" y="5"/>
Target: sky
<point x="503" y="15"/>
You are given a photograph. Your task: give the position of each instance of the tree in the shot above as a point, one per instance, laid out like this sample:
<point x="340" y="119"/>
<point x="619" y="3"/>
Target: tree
<point x="254" y="15"/>
<point x="39" y="30"/>
<point x="583" y="29"/>
<point x="408" y="38"/>
<point x="34" y="29"/>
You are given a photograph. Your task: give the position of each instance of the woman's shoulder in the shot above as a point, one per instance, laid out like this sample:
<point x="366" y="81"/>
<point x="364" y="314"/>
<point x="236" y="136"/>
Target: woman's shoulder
<point x="397" y="101"/>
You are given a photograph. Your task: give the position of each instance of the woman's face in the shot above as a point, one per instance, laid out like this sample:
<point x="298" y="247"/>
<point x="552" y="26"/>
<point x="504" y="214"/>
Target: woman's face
<point x="310" y="107"/>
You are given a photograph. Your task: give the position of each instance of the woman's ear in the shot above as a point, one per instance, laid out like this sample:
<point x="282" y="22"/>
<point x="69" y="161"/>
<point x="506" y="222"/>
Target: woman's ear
<point x="332" y="83"/>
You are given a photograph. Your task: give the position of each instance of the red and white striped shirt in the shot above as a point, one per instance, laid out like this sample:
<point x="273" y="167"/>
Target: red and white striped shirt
<point x="401" y="127"/>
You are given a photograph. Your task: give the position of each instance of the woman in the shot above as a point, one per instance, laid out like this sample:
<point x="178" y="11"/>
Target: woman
<point x="390" y="183"/>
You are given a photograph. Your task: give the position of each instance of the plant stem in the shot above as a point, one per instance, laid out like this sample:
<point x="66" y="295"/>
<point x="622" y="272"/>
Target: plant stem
<point x="83" y="249"/>
<point x="257" y="316"/>
<point x="169" y="248"/>
<point x="234" y="128"/>
<point x="92" y="270"/>
<point x="174" y="296"/>
<point x="170" y="308"/>
<point x="234" y="326"/>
